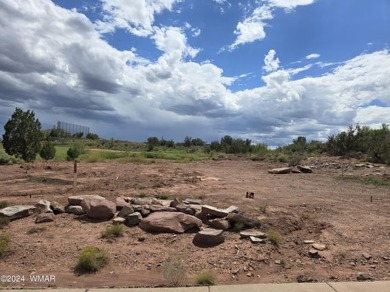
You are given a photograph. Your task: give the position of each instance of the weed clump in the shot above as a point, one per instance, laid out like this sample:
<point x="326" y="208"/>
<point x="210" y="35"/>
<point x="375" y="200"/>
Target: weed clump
<point x="174" y="271"/>
<point x="113" y="231"/>
<point x="274" y="237"/>
<point x="92" y="259"/>
<point x="205" y="278"/>
<point x="5" y="239"/>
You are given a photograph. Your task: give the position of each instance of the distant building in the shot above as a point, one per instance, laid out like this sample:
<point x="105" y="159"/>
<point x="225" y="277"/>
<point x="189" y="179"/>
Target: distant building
<point x="73" y="128"/>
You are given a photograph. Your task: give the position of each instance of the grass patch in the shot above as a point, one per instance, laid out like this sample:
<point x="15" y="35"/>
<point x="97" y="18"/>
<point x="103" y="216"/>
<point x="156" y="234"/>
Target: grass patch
<point x="274" y="237"/>
<point x="173" y="271"/>
<point x="370" y="180"/>
<point x="113" y="231"/>
<point x="263" y="208"/>
<point x="4" y="221"/>
<point x="4" y="204"/>
<point x="92" y="259"/>
<point x="5" y="239"/>
<point x="205" y="278"/>
<point x="163" y="196"/>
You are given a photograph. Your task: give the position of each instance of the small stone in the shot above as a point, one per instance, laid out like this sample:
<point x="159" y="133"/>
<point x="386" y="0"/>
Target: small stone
<point x="250" y="274"/>
<point x="283" y="170"/>
<point x="278" y="262"/>
<point x="364" y="277"/>
<point x="76" y="210"/>
<point x="209" y="236"/>
<point x="133" y="219"/>
<point x="319" y="246"/>
<point x="308" y="241"/>
<point x="254" y="233"/>
<point x="256" y="240"/>
<point x="314" y="253"/>
<point x="367" y="256"/>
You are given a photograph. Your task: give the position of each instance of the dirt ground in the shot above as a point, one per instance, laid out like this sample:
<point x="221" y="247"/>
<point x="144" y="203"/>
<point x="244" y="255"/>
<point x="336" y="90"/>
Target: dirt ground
<point x="320" y="206"/>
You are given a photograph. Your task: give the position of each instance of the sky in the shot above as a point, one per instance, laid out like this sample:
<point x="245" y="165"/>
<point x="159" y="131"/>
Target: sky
<point x="266" y="70"/>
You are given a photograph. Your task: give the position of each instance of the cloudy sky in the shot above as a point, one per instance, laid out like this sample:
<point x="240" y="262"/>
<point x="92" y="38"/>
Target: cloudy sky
<point x="267" y="70"/>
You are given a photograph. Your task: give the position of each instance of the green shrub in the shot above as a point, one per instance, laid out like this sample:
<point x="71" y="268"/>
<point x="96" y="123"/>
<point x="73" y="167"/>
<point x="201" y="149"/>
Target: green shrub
<point x="5" y="239"/>
<point x="274" y="237"/>
<point x="3" y="204"/>
<point x="174" y="271"/>
<point x="4" y="161"/>
<point x="48" y="151"/>
<point x="113" y="231"/>
<point x="75" y="151"/>
<point x="205" y="278"/>
<point x="92" y="259"/>
<point x="281" y="157"/>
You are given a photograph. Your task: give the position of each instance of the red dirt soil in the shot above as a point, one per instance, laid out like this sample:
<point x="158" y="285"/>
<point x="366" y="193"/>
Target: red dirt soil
<point x="319" y="206"/>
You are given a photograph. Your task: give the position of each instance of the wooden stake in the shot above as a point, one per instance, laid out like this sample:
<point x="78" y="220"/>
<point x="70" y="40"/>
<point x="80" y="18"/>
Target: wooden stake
<point x="74" y="177"/>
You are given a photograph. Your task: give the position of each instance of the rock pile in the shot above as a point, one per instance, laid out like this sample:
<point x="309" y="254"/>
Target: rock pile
<point x="150" y="214"/>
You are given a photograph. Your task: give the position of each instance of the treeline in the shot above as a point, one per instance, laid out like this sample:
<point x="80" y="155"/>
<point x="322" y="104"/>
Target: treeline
<point x="362" y="142"/>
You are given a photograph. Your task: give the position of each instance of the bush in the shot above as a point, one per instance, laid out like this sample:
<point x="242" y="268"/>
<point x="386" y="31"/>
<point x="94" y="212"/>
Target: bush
<point x="274" y="237"/>
<point x="238" y="226"/>
<point x="173" y="271"/>
<point x="92" y="259"/>
<point x="113" y="231"/>
<point x="74" y="152"/>
<point x="205" y="278"/>
<point x="5" y="239"/>
<point x="48" y="151"/>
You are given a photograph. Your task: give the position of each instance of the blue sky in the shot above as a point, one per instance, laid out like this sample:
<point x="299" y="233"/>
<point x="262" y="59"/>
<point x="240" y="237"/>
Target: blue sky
<point x="266" y="70"/>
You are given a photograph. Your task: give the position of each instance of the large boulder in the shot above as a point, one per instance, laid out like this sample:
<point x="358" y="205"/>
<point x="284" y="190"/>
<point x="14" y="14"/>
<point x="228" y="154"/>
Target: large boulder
<point x="169" y="222"/>
<point x="57" y="207"/>
<point x="133" y="219"/>
<point x="17" y="212"/>
<point x="221" y="224"/>
<point x="247" y="221"/>
<point x="98" y="208"/>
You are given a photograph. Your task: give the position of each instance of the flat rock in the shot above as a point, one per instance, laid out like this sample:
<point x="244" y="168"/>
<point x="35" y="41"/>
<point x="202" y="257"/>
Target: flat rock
<point x="169" y="222"/>
<point x="253" y="233"/>
<point x="133" y="219"/>
<point x="45" y="217"/>
<point x="187" y="209"/>
<point x="308" y="241"/>
<point x="176" y="202"/>
<point x="282" y="170"/>
<point x="217" y="212"/>
<point x="76" y="210"/>
<point x="98" y="208"/>
<point x="319" y="246"/>
<point x="206" y="209"/>
<point x="367" y="256"/>
<point x="17" y="211"/>
<point x="305" y="169"/>
<point x="220" y="224"/>
<point x="209" y="236"/>
<point x="254" y="239"/>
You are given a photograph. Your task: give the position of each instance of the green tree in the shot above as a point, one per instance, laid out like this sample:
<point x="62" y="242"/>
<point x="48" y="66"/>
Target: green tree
<point x="22" y="136"/>
<point x="48" y="151"/>
<point x="92" y="136"/>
